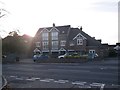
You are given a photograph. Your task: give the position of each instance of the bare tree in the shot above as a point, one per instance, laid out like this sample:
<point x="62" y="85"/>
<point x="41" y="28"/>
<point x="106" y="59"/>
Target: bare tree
<point x="3" y="11"/>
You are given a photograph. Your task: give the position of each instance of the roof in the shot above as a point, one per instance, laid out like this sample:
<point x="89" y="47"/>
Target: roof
<point x="90" y="41"/>
<point x="63" y="29"/>
<point x="72" y="33"/>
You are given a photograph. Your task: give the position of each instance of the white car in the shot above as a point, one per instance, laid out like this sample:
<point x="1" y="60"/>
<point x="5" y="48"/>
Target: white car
<point x="62" y="56"/>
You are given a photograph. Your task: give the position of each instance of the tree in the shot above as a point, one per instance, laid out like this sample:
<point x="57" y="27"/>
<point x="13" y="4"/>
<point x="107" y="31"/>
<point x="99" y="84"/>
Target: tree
<point x="13" y="33"/>
<point x="14" y="43"/>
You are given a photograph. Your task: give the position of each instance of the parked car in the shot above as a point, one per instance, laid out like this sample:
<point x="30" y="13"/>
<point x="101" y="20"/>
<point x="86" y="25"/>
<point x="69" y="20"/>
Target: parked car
<point x="96" y="55"/>
<point x="4" y="56"/>
<point x="63" y="56"/>
<point x="10" y="58"/>
<point x="39" y="57"/>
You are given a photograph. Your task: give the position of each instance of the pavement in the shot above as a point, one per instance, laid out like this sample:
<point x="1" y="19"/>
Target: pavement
<point x="94" y="74"/>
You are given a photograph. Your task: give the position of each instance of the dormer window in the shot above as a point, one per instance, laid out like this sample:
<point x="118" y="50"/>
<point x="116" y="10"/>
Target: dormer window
<point x="79" y="41"/>
<point x="45" y="36"/>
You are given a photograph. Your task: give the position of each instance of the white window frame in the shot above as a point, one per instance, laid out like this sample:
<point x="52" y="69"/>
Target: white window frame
<point x="79" y="41"/>
<point x="45" y="45"/>
<point x="62" y="43"/>
<point x="54" y="35"/>
<point x="45" y="36"/>
<point x="37" y="44"/>
<point x="54" y="45"/>
<point x="91" y="51"/>
<point x="72" y="44"/>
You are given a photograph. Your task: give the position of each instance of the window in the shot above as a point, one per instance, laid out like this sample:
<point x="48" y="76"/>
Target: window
<point x="79" y="42"/>
<point x="63" y="42"/>
<point x="91" y="51"/>
<point x="54" y="35"/>
<point x="45" y="45"/>
<point x="45" y="36"/>
<point x="54" y="44"/>
<point x="72" y="44"/>
<point x="37" y="44"/>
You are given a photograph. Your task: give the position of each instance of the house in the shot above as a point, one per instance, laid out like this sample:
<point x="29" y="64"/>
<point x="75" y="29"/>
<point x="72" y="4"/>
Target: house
<point x="57" y="40"/>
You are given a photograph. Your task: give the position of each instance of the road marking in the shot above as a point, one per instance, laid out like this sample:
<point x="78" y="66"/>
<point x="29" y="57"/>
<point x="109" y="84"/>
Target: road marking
<point x="85" y="86"/>
<point x="30" y="79"/>
<point x="13" y="76"/>
<point x="61" y="81"/>
<point x="50" y="79"/>
<point x="45" y="80"/>
<point x="102" y="86"/>
<point x="78" y="83"/>
<point x="35" y="78"/>
<point x="19" y="78"/>
<point x="115" y="85"/>
<point x="96" y="84"/>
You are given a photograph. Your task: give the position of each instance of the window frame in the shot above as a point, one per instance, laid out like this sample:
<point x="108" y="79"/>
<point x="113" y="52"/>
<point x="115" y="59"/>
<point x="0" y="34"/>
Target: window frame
<point x="54" y="45"/>
<point x="45" y="45"/>
<point x="80" y="41"/>
<point x="37" y="44"/>
<point x="45" y="36"/>
<point x="62" y="42"/>
<point x="54" y="35"/>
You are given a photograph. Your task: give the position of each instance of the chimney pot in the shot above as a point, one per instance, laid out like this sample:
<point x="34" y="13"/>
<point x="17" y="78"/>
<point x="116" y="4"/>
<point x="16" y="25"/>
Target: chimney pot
<point x="53" y="24"/>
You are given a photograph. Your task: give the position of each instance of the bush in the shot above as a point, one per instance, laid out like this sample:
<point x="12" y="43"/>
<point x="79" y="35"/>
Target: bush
<point x="77" y="57"/>
<point x="112" y="53"/>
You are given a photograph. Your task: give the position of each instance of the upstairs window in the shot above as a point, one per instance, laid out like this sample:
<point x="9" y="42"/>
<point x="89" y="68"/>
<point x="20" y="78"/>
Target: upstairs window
<point x="54" y="35"/>
<point x="45" y="36"/>
<point x="72" y="44"/>
<point x="79" y="42"/>
<point x="63" y="42"/>
<point x="37" y="44"/>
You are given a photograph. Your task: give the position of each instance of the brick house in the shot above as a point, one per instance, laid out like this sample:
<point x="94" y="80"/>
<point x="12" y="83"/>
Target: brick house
<point x="58" y="40"/>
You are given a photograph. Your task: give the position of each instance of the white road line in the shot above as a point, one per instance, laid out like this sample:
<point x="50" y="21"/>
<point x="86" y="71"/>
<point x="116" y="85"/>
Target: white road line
<point x="96" y="84"/>
<point x="44" y="80"/>
<point x="35" y="78"/>
<point x="61" y="81"/>
<point x="78" y="83"/>
<point x="85" y="86"/>
<point x="13" y="76"/>
<point x="30" y="79"/>
<point x="50" y="79"/>
<point x="19" y="78"/>
<point x="102" y="86"/>
<point x="115" y="85"/>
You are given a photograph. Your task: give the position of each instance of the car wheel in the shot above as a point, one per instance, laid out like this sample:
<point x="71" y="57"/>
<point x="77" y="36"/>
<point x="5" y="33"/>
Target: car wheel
<point x="61" y="58"/>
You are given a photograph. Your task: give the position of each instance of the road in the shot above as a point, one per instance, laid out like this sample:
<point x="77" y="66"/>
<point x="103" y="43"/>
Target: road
<point x="93" y="74"/>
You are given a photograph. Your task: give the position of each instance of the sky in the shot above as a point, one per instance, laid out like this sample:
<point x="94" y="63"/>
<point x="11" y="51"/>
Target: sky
<point x="99" y="18"/>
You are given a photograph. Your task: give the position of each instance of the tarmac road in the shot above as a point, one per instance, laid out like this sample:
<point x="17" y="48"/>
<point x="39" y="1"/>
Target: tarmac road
<point x="94" y="74"/>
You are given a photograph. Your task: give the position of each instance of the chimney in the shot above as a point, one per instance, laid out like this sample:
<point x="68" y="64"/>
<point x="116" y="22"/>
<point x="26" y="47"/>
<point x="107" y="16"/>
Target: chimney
<point x="99" y="40"/>
<point x="53" y="24"/>
<point x="81" y="28"/>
